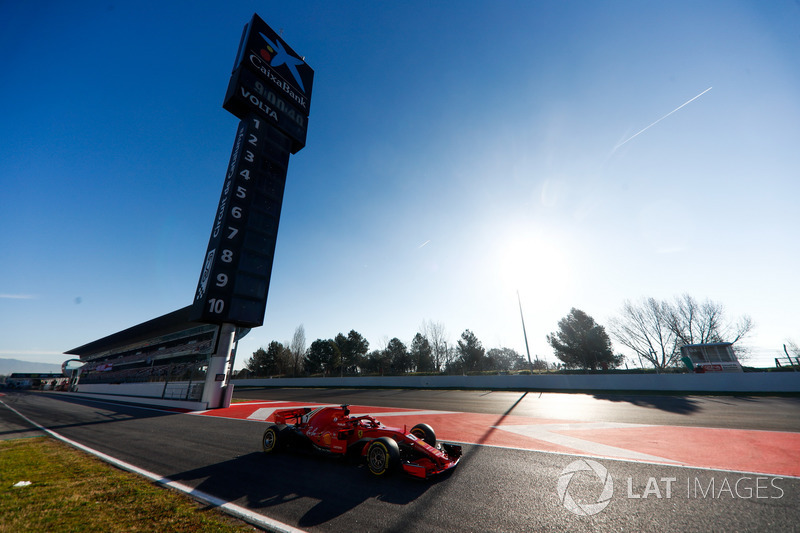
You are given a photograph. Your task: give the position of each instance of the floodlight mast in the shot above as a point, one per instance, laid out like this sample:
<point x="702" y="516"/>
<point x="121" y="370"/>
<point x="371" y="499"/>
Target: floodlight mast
<point x="524" y="333"/>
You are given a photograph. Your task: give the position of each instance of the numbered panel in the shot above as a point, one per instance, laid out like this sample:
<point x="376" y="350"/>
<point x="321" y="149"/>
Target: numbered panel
<point x="234" y="281"/>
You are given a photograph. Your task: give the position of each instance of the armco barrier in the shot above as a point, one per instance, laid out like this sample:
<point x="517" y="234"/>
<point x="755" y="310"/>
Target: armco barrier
<point x="139" y="400"/>
<point x="147" y="389"/>
<point x="748" y="382"/>
<point x="175" y="394"/>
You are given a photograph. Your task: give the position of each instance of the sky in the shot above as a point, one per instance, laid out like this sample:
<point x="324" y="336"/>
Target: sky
<point x="459" y="154"/>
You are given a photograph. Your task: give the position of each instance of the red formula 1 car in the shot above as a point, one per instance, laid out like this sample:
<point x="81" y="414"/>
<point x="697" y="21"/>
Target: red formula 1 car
<point x="333" y="431"/>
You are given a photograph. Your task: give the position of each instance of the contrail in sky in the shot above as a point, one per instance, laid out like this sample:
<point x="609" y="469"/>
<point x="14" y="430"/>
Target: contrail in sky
<point x="662" y="118"/>
<point x="423" y="244"/>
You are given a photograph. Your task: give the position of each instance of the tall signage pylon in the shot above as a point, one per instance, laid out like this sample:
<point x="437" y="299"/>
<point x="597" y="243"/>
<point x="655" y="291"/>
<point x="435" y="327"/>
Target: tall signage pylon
<point x="270" y="92"/>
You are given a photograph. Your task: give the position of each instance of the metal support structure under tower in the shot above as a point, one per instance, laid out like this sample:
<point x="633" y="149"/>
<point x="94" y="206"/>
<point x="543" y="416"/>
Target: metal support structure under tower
<point x="217" y="375"/>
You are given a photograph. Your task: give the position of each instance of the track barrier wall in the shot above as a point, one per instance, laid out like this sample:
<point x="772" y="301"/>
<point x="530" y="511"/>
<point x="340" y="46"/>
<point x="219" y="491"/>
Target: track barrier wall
<point x="747" y="382"/>
<point x="722" y="383"/>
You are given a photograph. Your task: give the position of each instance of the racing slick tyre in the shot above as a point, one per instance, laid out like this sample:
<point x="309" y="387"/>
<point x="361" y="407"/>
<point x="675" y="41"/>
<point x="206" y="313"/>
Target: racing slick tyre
<point x="383" y="456"/>
<point x="426" y="433"/>
<point x="273" y="439"/>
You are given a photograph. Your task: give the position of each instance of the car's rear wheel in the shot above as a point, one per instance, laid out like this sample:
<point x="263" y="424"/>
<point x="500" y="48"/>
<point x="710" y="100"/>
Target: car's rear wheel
<point x="383" y="456"/>
<point x="426" y="433"/>
<point x="272" y="440"/>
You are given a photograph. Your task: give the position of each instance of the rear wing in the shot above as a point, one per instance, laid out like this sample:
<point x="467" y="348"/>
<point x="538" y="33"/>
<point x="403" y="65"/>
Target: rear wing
<point x="285" y="415"/>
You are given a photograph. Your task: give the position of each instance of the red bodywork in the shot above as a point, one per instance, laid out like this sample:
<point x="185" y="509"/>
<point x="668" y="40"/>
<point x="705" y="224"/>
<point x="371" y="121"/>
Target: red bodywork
<point x="333" y="430"/>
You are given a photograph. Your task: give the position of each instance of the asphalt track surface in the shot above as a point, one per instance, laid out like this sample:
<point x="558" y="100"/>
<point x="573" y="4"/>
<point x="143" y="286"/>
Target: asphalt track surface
<point x="494" y="488"/>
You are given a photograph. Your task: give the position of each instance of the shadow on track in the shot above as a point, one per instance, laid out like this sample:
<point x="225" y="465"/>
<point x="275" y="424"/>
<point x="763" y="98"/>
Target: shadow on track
<point x="673" y="404"/>
<point x="258" y="481"/>
<point x="412" y="519"/>
<point x="105" y="412"/>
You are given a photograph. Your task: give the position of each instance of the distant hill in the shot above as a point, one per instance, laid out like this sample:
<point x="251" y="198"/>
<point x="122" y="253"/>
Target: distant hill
<point x="9" y="366"/>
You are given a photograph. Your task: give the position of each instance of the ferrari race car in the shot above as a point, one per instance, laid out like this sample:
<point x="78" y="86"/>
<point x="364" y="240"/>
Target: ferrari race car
<point x="333" y="431"/>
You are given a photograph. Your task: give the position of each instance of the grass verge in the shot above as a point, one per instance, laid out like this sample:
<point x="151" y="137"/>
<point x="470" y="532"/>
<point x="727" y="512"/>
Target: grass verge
<point x="70" y="490"/>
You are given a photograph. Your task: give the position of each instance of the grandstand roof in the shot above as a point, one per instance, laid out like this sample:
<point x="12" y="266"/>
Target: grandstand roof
<point x="164" y="325"/>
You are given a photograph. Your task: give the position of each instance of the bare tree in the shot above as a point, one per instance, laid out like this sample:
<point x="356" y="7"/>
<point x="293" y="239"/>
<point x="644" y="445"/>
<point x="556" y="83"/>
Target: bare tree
<point x="702" y="323"/>
<point x="298" y="349"/>
<point x="656" y="330"/>
<point x="792" y="351"/>
<point x="645" y="329"/>
<point x="441" y="353"/>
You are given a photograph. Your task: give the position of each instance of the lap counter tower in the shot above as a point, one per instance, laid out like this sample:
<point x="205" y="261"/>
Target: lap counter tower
<point x="270" y="92"/>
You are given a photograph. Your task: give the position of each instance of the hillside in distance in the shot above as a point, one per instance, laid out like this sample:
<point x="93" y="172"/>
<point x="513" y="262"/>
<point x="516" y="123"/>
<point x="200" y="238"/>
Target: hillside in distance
<point x="10" y="366"/>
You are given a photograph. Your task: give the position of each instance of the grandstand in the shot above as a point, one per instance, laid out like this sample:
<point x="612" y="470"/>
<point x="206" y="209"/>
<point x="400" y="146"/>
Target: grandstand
<point x="167" y="358"/>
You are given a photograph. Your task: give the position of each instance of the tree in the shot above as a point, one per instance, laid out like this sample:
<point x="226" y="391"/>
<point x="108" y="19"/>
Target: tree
<point x="422" y="354"/>
<point x="702" y="323"/>
<point x="441" y="352"/>
<point x="323" y="357"/>
<point x="278" y="356"/>
<point x="538" y="364"/>
<point x="297" y="348"/>
<point x="582" y="343"/>
<point x="792" y="351"/>
<point x="656" y="329"/>
<point x="377" y="362"/>
<point x="505" y="359"/>
<point x="793" y="347"/>
<point x="645" y="328"/>
<point x="353" y="349"/>
<point x="471" y="354"/>
<point x="397" y="353"/>
<point x="267" y="362"/>
<point x="259" y="363"/>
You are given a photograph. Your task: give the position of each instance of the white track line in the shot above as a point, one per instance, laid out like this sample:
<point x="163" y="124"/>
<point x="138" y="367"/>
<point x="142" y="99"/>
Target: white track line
<point x="264" y="413"/>
<point x="238" y="511"/>
<point x="406" y="413"/>
<point x="550" y="433"/>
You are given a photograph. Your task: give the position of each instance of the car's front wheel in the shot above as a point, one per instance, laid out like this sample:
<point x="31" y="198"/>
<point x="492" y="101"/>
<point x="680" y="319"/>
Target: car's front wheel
<point x="426" y="433"/>
<point x="383" y="456"/>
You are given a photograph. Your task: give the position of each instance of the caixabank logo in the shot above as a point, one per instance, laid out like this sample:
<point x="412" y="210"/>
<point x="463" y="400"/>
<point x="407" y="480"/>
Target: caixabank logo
<point x="267" y="55"/>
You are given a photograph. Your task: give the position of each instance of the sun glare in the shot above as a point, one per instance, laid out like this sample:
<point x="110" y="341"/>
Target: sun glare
<point x="535" y="266"/>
